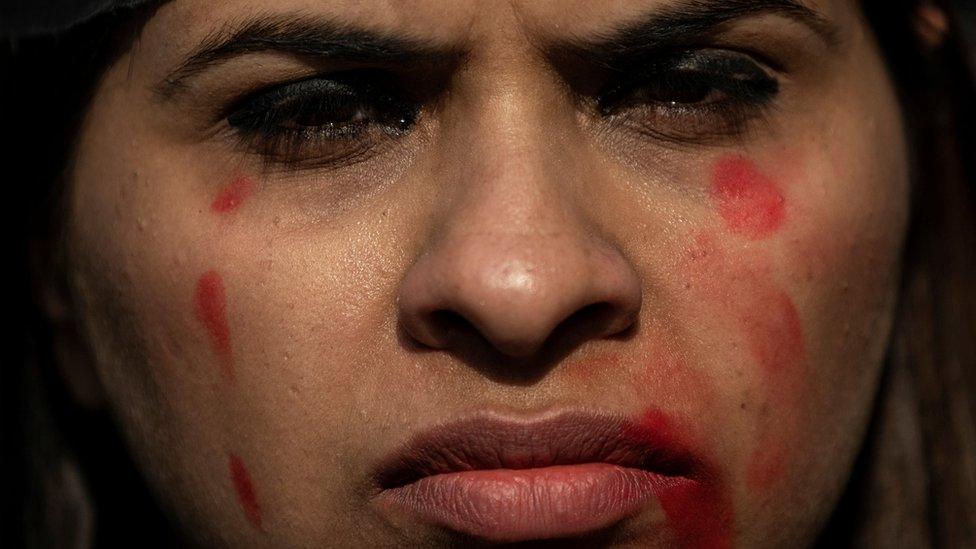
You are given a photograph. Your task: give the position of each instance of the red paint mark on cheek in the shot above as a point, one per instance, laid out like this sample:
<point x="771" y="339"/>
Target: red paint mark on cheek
<point x="775" y="333"/>
<point x="772" y="332"/>
<point x="775" y="337"/>
<point x="232" y="196"/>
<point x="698" y="507"/>
<point x="748" y="201"/>
<point x="211" y="310"/>
<point x="244" y="488"/>
<point x="767" y="464"/>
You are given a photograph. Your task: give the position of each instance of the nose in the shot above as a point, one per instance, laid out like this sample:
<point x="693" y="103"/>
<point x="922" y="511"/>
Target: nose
<point x="516" y="291"/>
<point x="515" y="266"/>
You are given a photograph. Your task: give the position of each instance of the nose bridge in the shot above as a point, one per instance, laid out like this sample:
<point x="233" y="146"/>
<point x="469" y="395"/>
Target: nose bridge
<point x="514" y="257"/>
<point x="513" y="159"/>
<point x="516" y="225"/>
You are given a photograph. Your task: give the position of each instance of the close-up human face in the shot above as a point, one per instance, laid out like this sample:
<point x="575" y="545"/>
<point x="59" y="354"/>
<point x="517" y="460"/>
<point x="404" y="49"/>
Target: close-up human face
<point x="423" y="273"/>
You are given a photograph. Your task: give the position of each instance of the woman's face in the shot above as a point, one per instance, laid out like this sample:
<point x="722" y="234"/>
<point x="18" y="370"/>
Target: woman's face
<point x="414" y="272"/>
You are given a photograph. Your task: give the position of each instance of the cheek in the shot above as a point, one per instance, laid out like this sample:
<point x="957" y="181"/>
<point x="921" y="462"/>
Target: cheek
<point x="749" y="202"/>
<point x="741" y="284"/>
<point x="767" y="338"/>
<point x="776" y="243"/>
<point x="232" y="195"/>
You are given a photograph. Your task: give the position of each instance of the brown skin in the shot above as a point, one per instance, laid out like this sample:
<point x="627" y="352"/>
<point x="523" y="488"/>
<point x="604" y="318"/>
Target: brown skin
<point x="514" y="206"/>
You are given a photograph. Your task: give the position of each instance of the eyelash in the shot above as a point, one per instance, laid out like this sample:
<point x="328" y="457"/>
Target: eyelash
<point x="337" y="120"/>
<point x="333" y="121"/>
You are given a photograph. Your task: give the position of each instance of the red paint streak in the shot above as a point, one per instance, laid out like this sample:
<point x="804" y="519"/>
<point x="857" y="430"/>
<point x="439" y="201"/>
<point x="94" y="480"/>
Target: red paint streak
<point x="775" y="338"/>
<point x="698" y="507"/>
<point x="245" y="490"/>
<point x="699" y="513"/>
<point x="742" y="290"/>
<point x="211" y="309"/>
<point x="767" y="464"/>
<point x="774" y="332"/>
<point x="232" y="196"/>
<point x="747" y="200"/>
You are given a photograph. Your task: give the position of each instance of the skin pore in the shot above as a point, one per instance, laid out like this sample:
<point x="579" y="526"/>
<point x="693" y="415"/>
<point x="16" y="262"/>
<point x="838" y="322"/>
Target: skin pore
<point x="300" y="233"/>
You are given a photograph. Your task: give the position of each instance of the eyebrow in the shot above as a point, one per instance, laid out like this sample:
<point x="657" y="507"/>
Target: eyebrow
<point x="308" y="37"/>
<point x="683" y="23"/>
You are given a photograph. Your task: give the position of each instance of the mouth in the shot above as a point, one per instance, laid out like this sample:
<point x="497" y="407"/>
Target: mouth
<point x="504" y="480"/>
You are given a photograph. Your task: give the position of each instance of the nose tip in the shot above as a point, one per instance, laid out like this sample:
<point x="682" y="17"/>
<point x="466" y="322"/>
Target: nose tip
<point x="519" y="293"/>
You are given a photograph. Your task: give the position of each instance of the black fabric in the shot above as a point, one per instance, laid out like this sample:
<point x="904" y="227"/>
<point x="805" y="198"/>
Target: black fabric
<point x="19" y="18"/>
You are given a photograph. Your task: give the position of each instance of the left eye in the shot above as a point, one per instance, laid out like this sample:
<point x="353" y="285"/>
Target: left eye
<point x="694" y="77"/>
<point x="707" y="91"/>
<point x="676" y="89"/>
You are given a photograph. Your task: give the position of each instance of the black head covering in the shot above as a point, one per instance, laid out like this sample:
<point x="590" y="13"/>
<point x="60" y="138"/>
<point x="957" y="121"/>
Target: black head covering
<point x="35" y="17"/>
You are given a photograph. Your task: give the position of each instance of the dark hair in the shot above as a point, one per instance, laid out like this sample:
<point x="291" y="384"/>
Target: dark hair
<point x="913" y="484"/>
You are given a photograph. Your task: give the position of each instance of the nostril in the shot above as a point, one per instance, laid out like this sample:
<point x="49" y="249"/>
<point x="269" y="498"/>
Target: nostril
<point x="455" y="331"/>
<point x="505" y="300"/>
<point x="451" y="329"/>
<point x="595" y="321"/>
<point x="450" y="326"/>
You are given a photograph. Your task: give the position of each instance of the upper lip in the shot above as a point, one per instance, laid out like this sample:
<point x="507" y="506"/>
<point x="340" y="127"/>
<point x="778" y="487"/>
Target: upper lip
<point x="488" y="441"/>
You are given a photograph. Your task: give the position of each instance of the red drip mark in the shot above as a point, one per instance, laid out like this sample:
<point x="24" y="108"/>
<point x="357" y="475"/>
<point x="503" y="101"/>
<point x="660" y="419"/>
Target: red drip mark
<point x="698" y="507"/>
<point x="747" y="200"/>
<point x="211" y="309"/>
<point x="699" y="513"/>
<point x="743" y="289"/>
<point x="766" y="465"/>
<point x="776" y="340"/>
<point x="231" y="196"/>
<point x="774" y="332"/>
<point x="245" y="490"/>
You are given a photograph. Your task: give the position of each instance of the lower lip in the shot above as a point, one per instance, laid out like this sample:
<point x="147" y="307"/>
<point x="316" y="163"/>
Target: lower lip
<point x="506" y="505"/>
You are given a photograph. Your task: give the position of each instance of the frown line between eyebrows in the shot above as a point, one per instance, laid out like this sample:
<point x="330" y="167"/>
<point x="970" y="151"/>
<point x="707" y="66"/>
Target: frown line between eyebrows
<point x="304" y="36"/>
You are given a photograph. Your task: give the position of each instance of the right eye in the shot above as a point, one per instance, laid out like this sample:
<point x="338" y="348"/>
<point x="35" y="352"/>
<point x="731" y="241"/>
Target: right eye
<point x="324" y="120"/>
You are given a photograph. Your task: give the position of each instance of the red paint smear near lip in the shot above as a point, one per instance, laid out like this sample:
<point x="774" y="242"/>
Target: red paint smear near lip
<point x="245" y="490"/>
<point x="699" y="513"/>
<point x="747" y="200"/>
<point x="698" y="510"/>
<point x="211" y="309"/>
<point x="232" y="196"/>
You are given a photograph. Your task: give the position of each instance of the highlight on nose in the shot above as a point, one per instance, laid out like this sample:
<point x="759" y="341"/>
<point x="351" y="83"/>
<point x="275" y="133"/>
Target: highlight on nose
<point x="518" y="292"/>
